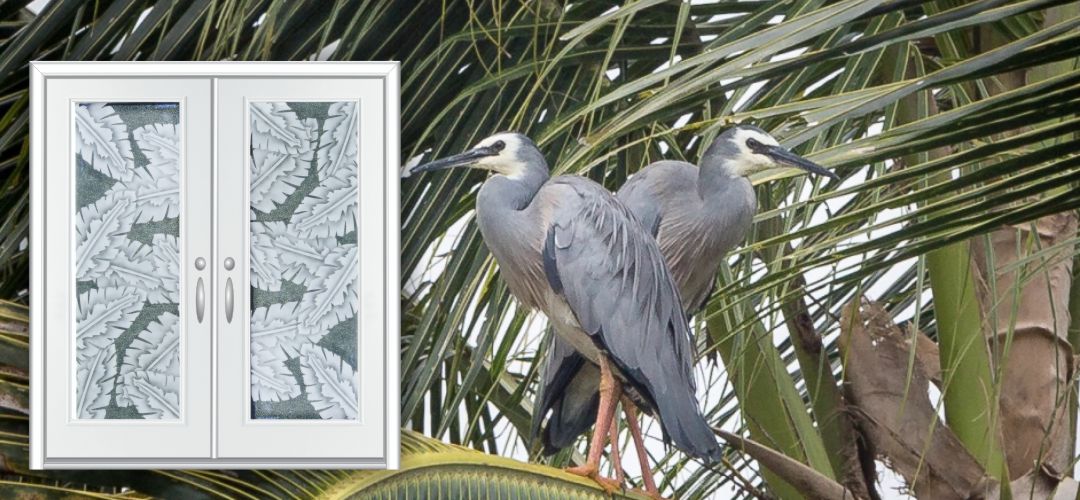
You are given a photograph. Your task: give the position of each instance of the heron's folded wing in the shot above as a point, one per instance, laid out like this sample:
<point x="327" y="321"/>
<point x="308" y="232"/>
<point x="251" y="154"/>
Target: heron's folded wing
<point x="647" y="191"/>
<point x="612" y="275"/>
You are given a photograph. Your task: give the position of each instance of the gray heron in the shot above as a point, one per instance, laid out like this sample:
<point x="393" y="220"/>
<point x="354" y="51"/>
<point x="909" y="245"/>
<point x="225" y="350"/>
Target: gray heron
<point x="567" y="247"/>
<point x="697" y="215"/>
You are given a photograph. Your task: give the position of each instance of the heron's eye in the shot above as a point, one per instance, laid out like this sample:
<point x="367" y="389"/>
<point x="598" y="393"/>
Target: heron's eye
<point x="498" y="145"/>
<point x="753" y="144"/>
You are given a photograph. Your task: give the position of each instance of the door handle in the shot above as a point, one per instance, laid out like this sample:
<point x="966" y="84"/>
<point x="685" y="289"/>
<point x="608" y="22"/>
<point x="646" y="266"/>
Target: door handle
<point x="229" y="263"/>
<point x="200" y="291"/>
<point x="200" y="300"/>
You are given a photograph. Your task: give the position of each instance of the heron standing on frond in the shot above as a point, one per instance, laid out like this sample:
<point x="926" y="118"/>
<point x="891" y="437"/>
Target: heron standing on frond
<point x="568" y="247"/>
<point x="697" y="215"/>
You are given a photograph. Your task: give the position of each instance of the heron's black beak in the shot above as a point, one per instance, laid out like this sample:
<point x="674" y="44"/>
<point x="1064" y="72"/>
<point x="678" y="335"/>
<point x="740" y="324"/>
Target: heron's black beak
<point x="781" y="155"/>
<point x="459" y="160"/>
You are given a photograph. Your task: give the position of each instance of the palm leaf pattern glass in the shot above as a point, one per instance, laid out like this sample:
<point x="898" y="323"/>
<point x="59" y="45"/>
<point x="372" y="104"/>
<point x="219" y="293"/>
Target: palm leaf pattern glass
<point x="304" y="260"/>
<point x="127" y="260"/>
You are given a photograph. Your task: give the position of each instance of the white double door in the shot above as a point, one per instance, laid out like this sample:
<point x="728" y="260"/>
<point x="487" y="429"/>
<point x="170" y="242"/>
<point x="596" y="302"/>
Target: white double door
<point x="212" y="264"/>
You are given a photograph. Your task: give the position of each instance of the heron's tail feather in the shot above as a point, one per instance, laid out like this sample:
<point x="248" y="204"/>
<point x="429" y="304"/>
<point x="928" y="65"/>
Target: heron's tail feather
<point x="686" y="427"/>
<point x="571" y="392"/>
<point x="570" y="418"/>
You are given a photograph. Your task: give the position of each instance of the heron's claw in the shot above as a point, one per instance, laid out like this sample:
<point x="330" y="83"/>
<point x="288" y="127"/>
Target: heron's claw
<point x="591" y="471"/>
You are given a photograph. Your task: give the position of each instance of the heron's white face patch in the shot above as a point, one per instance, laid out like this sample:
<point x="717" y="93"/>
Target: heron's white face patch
<point x="507" y="162"/>
<point x="747" y="161"/>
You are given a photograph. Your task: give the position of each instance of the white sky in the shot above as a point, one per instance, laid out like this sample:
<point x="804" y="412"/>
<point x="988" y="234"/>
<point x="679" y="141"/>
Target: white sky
<point x="36" y="5"/>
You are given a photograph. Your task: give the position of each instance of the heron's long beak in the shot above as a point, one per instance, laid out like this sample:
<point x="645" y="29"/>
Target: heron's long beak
<point x="459" y="160"/>
<point x="786" y="157"/>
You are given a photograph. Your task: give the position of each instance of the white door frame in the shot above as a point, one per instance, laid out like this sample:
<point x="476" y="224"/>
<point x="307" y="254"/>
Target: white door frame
<point x="387" y="73"/>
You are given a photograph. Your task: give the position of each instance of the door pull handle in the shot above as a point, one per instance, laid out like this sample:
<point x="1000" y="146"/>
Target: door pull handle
<point x="229" y="263"/>
<point x="200" y="291"/>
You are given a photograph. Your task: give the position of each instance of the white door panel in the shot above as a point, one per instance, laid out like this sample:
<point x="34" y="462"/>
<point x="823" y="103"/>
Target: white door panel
<point x="309" y="384"/>
<point x="128" y="361"/>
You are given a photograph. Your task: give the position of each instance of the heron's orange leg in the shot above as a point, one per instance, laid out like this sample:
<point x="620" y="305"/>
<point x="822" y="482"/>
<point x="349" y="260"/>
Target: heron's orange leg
<point x="609" y="395"/>
<point x="620" y="476"/>
<point x="639" y="443"/>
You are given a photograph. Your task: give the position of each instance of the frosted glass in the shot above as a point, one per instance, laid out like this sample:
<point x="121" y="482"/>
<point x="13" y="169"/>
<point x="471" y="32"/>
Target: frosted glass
<point x="127" y="260"/>
<point x="304" y="261"/>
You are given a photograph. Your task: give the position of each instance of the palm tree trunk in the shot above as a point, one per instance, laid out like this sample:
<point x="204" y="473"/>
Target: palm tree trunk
<point x="1074" y="342"/>
<point x="1026" y="276"/>
<point x="1027" y="305"/>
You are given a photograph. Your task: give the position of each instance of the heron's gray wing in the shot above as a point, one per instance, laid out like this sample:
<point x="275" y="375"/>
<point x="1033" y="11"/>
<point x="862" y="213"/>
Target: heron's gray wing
<point x="569" y="383"/>
<point x="664" y="197"/>
<point x="613" y="277"/>
<point x="647" y="191"/>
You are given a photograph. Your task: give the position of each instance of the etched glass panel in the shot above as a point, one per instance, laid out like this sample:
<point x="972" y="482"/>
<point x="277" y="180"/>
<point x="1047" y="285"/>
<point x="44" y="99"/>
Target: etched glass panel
<point x="304" y="260"/>
<point x="127" y="260"/>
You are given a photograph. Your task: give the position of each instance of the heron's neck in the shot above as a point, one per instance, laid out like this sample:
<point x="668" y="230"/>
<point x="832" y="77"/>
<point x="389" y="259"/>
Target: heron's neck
<point x="502" y="192"/>
<point x="716" y="176"/>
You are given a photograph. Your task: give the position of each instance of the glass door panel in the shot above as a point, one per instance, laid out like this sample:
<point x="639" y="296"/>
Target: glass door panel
<point x="127" y="260"/>
<point x="304" y="261"/>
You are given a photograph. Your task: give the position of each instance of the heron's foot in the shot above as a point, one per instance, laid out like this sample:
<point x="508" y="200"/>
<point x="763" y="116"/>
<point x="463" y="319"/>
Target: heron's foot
<point x="655" y="495"/>
<point x="592" y="471"/>
<point x="586" y="469"/>
<point x="609" y="485"/>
